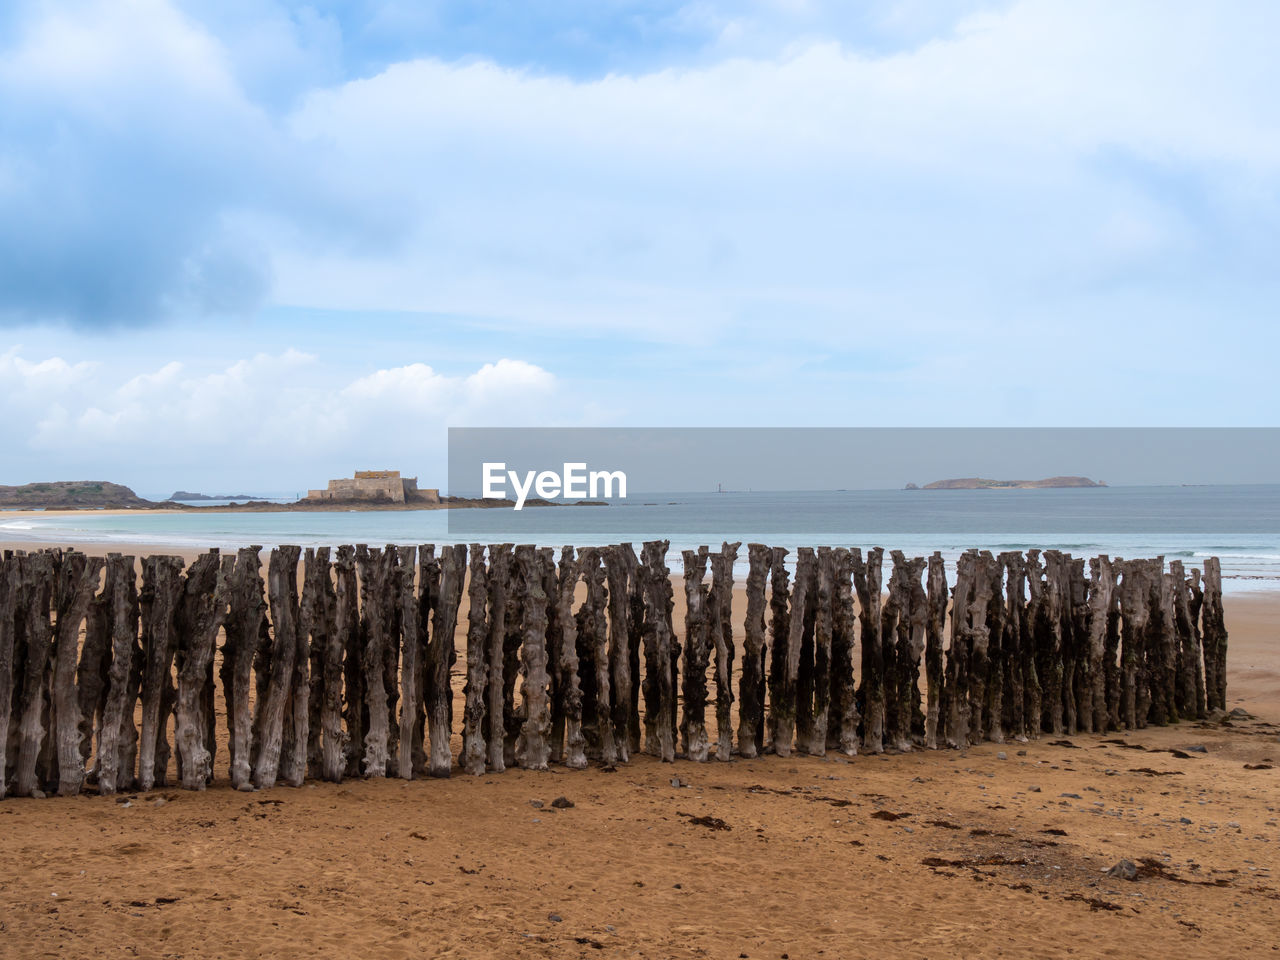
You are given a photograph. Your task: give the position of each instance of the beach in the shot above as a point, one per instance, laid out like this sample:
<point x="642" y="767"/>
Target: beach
<point x="996" y="850"/>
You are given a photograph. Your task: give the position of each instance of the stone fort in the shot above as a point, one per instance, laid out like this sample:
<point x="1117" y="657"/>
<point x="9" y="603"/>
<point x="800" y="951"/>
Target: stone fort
<point x="382" y="485"/>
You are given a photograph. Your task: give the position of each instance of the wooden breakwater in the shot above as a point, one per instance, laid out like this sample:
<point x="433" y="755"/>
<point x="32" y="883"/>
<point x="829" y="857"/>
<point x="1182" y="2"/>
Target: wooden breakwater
<point x="345" y="670"/>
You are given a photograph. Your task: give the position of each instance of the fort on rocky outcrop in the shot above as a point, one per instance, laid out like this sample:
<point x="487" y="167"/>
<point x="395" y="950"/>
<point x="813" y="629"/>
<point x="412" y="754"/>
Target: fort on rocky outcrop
<point x="379" y="485"/>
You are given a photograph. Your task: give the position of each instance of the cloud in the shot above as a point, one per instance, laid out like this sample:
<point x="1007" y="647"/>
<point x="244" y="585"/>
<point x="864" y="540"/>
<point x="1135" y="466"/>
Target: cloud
<point x="275" y="415"/>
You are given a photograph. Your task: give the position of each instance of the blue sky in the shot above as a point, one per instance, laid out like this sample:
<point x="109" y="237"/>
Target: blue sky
<point x="250" y="244"/>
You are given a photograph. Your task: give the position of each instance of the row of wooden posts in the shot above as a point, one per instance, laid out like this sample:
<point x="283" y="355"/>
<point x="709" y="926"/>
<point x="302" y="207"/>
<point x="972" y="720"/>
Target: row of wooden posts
<point x="346" y="672"/>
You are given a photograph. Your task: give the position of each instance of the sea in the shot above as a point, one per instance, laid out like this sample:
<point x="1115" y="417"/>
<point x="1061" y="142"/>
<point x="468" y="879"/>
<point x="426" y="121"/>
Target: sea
<point x="1239" y="524"/>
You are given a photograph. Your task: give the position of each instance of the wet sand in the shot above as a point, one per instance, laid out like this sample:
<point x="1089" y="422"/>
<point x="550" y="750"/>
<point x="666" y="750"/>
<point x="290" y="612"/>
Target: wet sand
<point x="994" y="851"/>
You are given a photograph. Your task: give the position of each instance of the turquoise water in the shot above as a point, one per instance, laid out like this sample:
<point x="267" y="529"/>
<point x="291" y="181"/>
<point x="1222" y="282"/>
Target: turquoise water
<point x="1239" y="524"/>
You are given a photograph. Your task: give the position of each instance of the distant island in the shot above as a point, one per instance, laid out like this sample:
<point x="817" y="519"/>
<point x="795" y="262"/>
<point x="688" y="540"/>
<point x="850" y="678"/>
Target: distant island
<point x="186" y="496"/>
<point x="368" y="490"/>
<point x="70" y="494"/>
<point x="981" y="483"/>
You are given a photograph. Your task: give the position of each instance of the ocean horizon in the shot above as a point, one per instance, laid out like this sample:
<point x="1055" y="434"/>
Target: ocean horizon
<point x="1238" y="523"/>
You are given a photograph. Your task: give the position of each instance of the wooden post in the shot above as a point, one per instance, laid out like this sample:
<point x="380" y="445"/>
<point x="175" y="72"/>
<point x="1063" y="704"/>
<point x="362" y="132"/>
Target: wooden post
<point x="1051" y="650"/>
<point x="979" y="646"/>
<point x="282" y="593"/>
<point x="935" y="626"/>
<point x="780" y="691"/>
<point x="566" y="651"/>
<point x="77" y="583"/>
<point x="697" y="650"/>
<point x="555" y="678"/>
<point x="203" y="610"/>
<point x="866" y="578"/>
<point x="635" y="632"/>
<point x="10" y="588"/>
<point x="956" y="688"/>
<point x="1214" y="632"/>
<point x="659" y="647"/>
<point x="91" y="674"/>
<point x="411" y="728"/>
<point x="823" y="628"/>
<point x="842" y="731"/>
<point x="327" y="643"/>
<point x="993" y="702"/>
<point x="1037" y="620"/>
<point x="500" y="555"/>
<point x="376" y="593"/>
<point x="533" y="747"/>
<point x="474" y="747"/>
<point x="350" y="638"/>
<point x="1190" y="667"/>
<point x="597" y="606"/>
<point x="117" y="744"/>
<point x="441" y="656"/>
<point x="910" y="643"/>
<point x="1101" y="587"/>
<point x="1133" y="617"/>
<point x="159" y="602"/>
<point x="751" y="695"/>
<point x="38" y="572"/>
<point x="619" y="565"/>
<point x="800" y="649"/>
<point x="428" y="605"/>
<point x="1013" y="636"/>
<point x="721" y="624"/>
<point x="786" y="705"/>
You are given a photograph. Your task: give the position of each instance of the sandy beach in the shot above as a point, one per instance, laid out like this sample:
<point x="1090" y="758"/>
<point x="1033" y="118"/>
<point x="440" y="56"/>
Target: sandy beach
<point x="994" y="851"/>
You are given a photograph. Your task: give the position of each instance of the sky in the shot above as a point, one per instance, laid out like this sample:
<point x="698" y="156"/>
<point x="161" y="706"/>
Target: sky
<point x="250" y="245"/>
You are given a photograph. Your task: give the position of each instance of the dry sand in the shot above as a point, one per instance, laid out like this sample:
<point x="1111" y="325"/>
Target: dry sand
<point x="926" y="854"/>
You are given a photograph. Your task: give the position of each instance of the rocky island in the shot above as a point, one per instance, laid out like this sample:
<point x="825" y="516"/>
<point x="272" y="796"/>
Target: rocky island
<point x="981" y="483"/>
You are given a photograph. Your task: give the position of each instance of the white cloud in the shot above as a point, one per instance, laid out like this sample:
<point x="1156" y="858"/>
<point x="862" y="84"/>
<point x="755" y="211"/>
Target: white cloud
<point x="278" y="414"/>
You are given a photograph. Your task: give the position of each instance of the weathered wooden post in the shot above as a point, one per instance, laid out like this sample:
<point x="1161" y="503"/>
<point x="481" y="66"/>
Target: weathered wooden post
<point x="412" y="649"/>
<point x="842" y="731"/>
<point x="1190" y="666"/>
<point x="77" y="583"/>
<point x="721" y="623"/>
<point x="1050" y="648"/>
<point x="913" y="609"/>
<point x="1102" y="586"/>
<point x="800" y="619"/>
<point x="823" y="628"/>
<point x="866" y="578"/>
<point x="117" y="744"/>
<point x="10" y="587"/>
<point x="500" y="555"/>
<point x="159" y="602"/>
<point x="659" y="647"/>
<point x="441" y="655"/>
<point x="1133" y="616"/>
<point x="474" y="748"/>
<point x="566" y="652"/>
<point x="781" y="692"/>
<point x="697" y="650"/>
<point x="282" y="594"/>
<point x="979" y="647"/>
<point x="619" y="565"/>
<point x="350" y="637"/>
<point x="91" y="674"/>
<point x="38" y="573"/>
<point x="1214" y="632"/>
<point x="533" y="747"/>
<point x="1037" y="620"/>
<point x="201" y="615"/>
<point x="751" y="695"/>
<point x="428" y="604"/>
<point x="800" y="649"/>
<point x="635" y="631"/>
<point x="956" y="688"/>
<point x="935" y="625"/>
<point x="555" y="680"/>
<point x="376" y="593"/>
<point x="319" y="609"/>
<point x="993" y="675"/>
